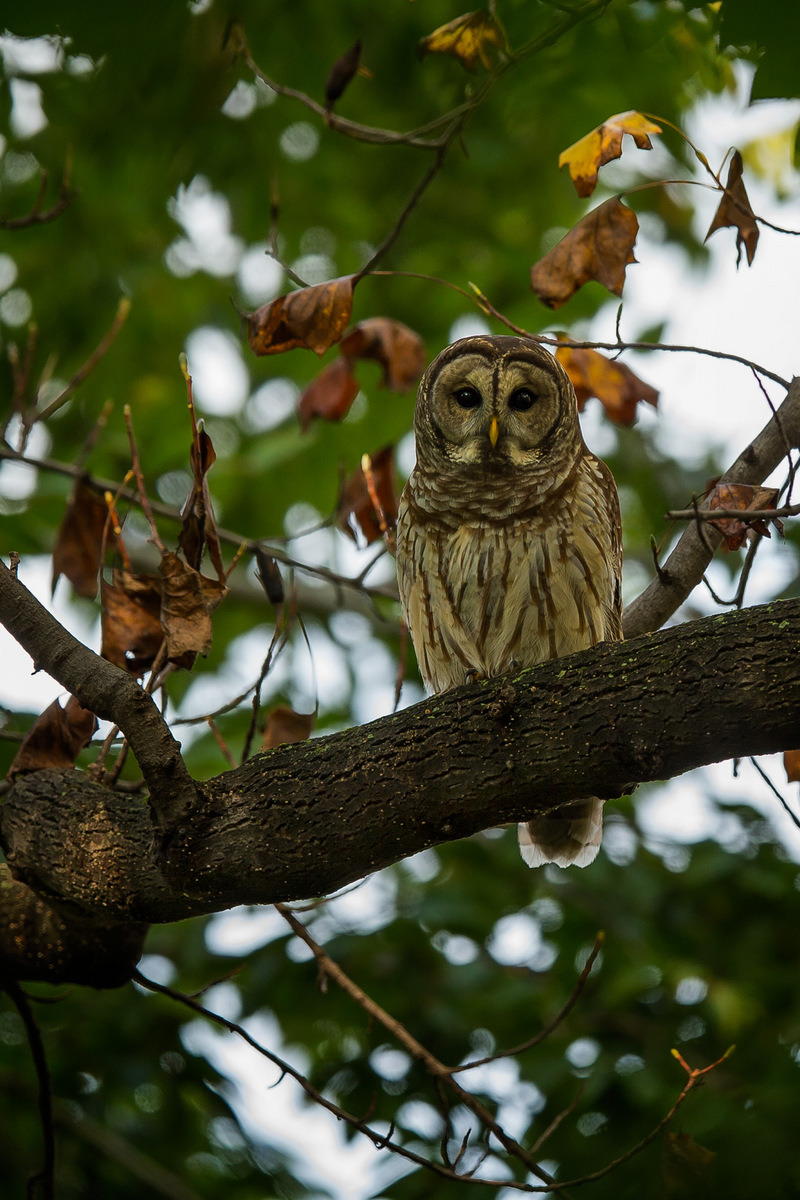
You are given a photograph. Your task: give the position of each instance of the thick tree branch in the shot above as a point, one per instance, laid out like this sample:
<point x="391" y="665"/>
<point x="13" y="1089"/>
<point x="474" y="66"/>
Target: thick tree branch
<point x="306" y="819"/>
<point x="108" y="692"/>
<point x="687" y="563"/>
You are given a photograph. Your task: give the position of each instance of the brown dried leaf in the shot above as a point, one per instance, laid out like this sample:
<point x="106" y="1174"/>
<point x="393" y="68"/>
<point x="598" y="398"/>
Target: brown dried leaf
<point x="791" y="761"/>
<point x="586" y="156"/>
<point x="55" y="739"/>
<point x="467" y="38"/>
<point x="198" y="525"/>
<point x="130" y="621"/>
<point x="599" y="247"/>
<point x="342" y="72"/>
<point x="734" y="210"/>
<point x="356" y="513"/>
<point x="741" y="496"/>
<point x="76" y="553"/>
<point x="398" y="349"/>
<point x="284" y="725"/>
<point x="314" y="317"/>
<point x="329" y="395"/>
<point x="616" y="386"/>
<point x="270" y="576"/>
<point x="187" y="602"/>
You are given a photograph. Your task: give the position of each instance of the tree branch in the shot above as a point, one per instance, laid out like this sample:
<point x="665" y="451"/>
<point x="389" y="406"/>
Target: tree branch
<point x="306" y="819"/>
<point x="108" y="692"/>
<point x="687" y="563"/>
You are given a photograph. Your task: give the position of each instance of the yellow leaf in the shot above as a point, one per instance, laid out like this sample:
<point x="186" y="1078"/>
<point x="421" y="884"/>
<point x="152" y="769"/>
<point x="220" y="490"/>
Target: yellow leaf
<point x="467" y="38"/>
<point x="587" y="156"/>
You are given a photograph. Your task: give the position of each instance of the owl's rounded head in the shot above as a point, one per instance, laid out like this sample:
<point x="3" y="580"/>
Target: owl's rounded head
<point x="497" y="404"/>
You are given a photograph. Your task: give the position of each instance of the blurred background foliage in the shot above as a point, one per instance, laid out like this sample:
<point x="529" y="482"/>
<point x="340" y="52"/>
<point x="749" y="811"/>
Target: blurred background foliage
<point x="177" y="155"/>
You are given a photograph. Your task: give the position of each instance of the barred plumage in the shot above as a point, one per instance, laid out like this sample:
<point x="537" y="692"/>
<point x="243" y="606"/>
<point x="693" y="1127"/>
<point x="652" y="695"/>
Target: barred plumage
<point x="508" y="541"/>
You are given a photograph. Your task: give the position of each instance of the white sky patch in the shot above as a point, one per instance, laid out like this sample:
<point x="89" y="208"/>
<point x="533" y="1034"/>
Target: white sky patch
<point x="209" y="244"/>
<point x="219" y="376"/>
<point x="259" y="276"/>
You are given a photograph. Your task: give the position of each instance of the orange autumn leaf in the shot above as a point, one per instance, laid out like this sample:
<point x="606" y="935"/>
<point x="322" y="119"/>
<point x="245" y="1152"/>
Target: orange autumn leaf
<point x="741" y="497"/>
<point x="586" y="156"/>
<point x="616" y="386"/>
<point x="398" y="349"/>
<point x="76" y="552"/>
<point x="356" y="511"/>
<point x="734" y="210"/>
<point x="312" y="317"/>
<point x="198" y="524"/>
<point x="467" y="38"/>
<point x="600" y="247"/>
<point x="55" y="739"/>
<point x="329" y="395"/>
<point x="285" y="726"/>
<point x="791" y="762"/>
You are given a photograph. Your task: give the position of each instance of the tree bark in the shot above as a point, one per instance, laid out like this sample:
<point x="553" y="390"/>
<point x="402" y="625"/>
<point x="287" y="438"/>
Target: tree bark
<point x="305" y="819"/>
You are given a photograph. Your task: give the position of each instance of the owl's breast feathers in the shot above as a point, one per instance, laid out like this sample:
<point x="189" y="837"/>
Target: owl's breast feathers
<point x="492" y="582"/>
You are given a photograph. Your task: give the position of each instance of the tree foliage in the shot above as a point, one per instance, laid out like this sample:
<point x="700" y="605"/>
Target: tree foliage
<point x="314" y="203"/>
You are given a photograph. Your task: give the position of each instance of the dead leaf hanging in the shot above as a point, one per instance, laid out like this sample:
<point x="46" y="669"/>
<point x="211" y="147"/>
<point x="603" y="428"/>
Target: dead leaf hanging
<point x="329" y="395"/>
<point x="55" y="739"/>
<point x="591" y="152"/>
<point x="198" y="525"/>
<point x="312" y="317"/>
<point x="616" y="386"/>
<point x="356" y="511"/>
<point x="398" y="349"/>
<point x="468" y="38"/>
<point x="342" y="72"/>
<point x="130" y="621"/>
<point x="742" y="496"/>
<point x="187" y="602"/>
<point x="76" y="552"/>
<point x="734" y="210"/>
<point x="284" y="725"/>
<point x="600" y="247"/>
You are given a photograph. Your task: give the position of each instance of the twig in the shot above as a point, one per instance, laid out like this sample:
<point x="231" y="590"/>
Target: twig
<point x="223" y="745"/>
<point x="143" y="500"/>
<point x="696" y="1077"/>
<point x="566" y="1008"/>
<point x="557" y="1119"/>
<point x="38" y="215"/>
<point x="419" y="191"/>
<point x="775" y="791"/>
<point x="434" y="1067"/>
<point x="102" y="348"/>
<point x="732" y="514"/>
<point x="46" y="1176"/>
<point x="380" y="1141"/>
<point x="225" y="535"/>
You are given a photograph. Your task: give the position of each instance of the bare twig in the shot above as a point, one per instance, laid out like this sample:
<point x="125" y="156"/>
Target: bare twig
<point x="566" y="1008"/>
<point x="43" y="1180"/>
<point x="39" y="215"/>
<point x="102" y="348"/>
<point x="775" y="792"/>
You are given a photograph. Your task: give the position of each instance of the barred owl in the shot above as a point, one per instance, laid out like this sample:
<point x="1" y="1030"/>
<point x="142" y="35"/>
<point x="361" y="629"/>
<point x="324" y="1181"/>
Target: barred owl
<point x="508" y="538"/>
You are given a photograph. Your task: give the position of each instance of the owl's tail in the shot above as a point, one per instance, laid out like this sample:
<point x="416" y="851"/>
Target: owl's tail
<point x="568" y="837"/>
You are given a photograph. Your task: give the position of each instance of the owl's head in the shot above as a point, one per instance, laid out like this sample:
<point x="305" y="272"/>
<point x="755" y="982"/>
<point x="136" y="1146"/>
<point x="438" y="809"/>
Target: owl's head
<point x="498" y="405"/>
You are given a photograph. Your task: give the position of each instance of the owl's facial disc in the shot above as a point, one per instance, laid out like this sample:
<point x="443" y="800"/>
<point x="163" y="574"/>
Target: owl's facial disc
<point x="495" y="414"/>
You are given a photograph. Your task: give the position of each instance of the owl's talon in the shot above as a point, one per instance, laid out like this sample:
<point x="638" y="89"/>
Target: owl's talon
<point x="470" y="674"/>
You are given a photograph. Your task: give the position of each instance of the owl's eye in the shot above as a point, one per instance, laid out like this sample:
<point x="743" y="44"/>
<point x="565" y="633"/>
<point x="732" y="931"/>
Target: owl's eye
<point x="521" y="400"/>
<point x="467" y="397"/>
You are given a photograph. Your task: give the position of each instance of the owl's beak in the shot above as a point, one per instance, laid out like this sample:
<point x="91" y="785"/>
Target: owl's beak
<point x="494" y="432"/>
